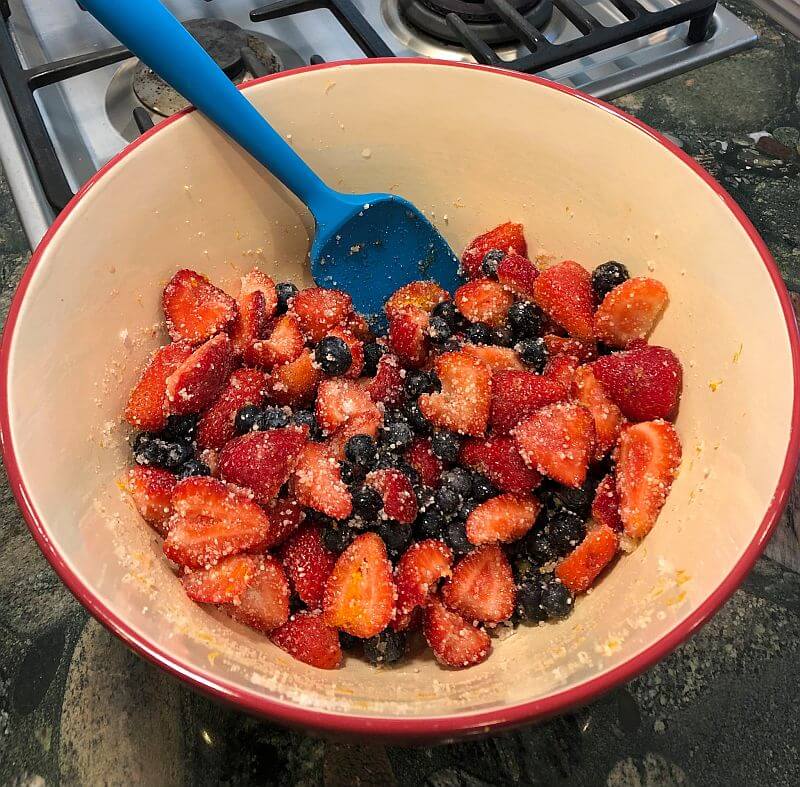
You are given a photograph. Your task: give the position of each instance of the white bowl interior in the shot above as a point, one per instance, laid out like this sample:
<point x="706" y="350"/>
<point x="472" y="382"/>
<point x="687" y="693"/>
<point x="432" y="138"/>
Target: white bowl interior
<point x="473" y="148"/>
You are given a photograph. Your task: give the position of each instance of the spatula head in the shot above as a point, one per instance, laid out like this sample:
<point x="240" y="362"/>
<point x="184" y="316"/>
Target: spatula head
<point x="380" y="244"/>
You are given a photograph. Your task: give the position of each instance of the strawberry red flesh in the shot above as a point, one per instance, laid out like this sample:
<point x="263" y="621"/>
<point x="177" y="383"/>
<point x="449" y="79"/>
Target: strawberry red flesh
<point x="630" y="311"/>
<point x="484" y="300"/>
<point x="507" y="237"/>
<point x="308" y="564"/>
<point x="197" y="382"/>
<point x="605" y="506"/>
<point x="424" y="295"/>
<point x="264" y="604"/>
<point x="151" y="491"/>
<point x="319" y="310"/>
<point x="397" y="492"/>
<point x="588" y="391"/>
<point x="502" y="519"/>
<point x="306" y="637"/>
<point x="578" y="570"/>
<point x="564" y="293"/>
<point x="223" y="583"/>
<point x="418" y="573"/>
<point x="317" y="482"/>
<point x="195" y="309"/>
<point x="421" y="457"/>
<point x="517" y="395"/>
<point x="518" y="274"/>
<point x="454" y="642"/>
<point x="499" y="459"/>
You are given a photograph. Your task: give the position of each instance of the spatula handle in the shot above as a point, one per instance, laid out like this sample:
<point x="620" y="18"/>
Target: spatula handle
<point x="157" y="38"/>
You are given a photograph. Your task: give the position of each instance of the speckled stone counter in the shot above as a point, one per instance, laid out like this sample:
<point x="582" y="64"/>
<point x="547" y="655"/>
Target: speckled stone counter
<point x="76" y="707"/>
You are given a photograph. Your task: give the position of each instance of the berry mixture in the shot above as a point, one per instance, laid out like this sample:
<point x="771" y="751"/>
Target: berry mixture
<point x="478" y="463"/>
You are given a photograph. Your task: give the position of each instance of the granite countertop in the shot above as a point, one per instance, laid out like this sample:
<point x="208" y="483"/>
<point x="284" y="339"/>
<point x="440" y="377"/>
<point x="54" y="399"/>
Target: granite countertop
<point x="76" y="707"/>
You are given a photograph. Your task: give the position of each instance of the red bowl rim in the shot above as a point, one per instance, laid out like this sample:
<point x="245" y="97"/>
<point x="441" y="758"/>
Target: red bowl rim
<point x="423" y="728"/>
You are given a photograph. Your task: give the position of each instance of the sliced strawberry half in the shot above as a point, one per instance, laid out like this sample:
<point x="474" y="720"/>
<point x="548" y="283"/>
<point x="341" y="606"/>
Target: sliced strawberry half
<point x="264" y="604"/>
<point x="195" y="309"/>
<point x="387" y="385"/>
<point x="262" y="461"/>
<point x="151" y="491"/>
<point x="284" y="343"/>
<point x="559" y="441"/>
<point x="368" y="423"/>
<point x="605" y="506"/>
<point x="499" y="459"/>
<point x="147" y="406"/>
<point x="516" y="395"/>
<point x="424" y="295"/>
<point x="212" y="521"/>
<point x="418" y="573"/>
<point x="359" y="596"/>
<point x="630" y="311"/>
<point x="308" y="564"/>
<point x="454" y="642"/>
<point x="197" y="382"/>
<point x="561" y="369"/>
<point x="607" y="416"/>
<point x="395" y="488"/>
<point x="564" y="293"/>
<point x="421" y="457"/>
<point x="484" y="300"/>
<point x="356" y="347"/>
<point x="256" y="304"/>
<point x="340" y="399"/>
<point x="306" y="637"/>
<point x="648" y="456"/>
<point x="216" y="425"/>
<point x="482" y="586"/>
<point x="579" y="349"/>
<point x="579" y="569"/>
<point x="518" y="274"/>
<point x="507" y="237"/>
<point x="358" y="326"/>
<point x="498" y="359"/>
<point x="285" y="515"/>
<point x="502" y="519"/>
<point x="645" y="382"/>
<point x="408" y="337"/>
<point x="223" y="583"/>
<point x="463" y="403"/>
<point x="317" y="482"/>
<point x="319" y="310"/>
<point x="294" y="383"/>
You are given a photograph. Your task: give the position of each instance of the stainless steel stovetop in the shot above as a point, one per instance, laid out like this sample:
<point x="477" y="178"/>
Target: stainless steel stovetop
<point x="89" y="117"/>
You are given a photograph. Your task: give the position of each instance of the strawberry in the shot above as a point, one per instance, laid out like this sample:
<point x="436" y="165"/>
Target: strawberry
<point x="579" y="569"/>
<point x="579" y="349"/>
<point x="564" y="293"/>
<point x="503" y="519"/>
<point x="358" y="326"/>
<point x="410" y="621"/>
<point x="607" y="416"/>
<point x="507" y="237"/>
<point x="215" y="427"/>
<point x="630" y="311"/>
<point x="359" y="595"/>
<point x="284" y="343"/>
<point x="387" y="385"/>
<point x="306" y="637"/>
<point x="256" y="304"/>
<point x="356" y="347"/>
<point x="418" y="572"/>
<point x="147" y="404"/>
<point x="424" y="295"/>
<point x="338" y="400"/>
<point x="648" y="455"/>
<point x="605" y="506"/>
<point x="399" y="499"/>
<point x="518" y="274"/>
<point x="223" y="583"/>
<point x="454" y="642"/>
<point x="558" y="441"/>
<point x="368" y="422"/>
<point x="408" y="337"/>
<point x="285" y="515"/>
<point x="498" y="359"/>
<point x="294" y="383"/>
<point x="317" y="482"/>
<point x="463" y="403"/>
<point x="262" y="461"/>
<point x="484" y="300"/>
<point x="561" y="369"/>
<point x="196" y="383"/>
<point x="264" y="605"/>
<point x="212" y="521"/>
<point x="644" y="382"/>
<point x="151" y="491"/>
<point x="308" y="564"/>
<point x="420" y="456"/>
<point x="319" y="310"/>
<point x="499" y="459"/>
<point x="516" y="395"/>
<point x="195" y="309"/>
<point x="482" y="586"/>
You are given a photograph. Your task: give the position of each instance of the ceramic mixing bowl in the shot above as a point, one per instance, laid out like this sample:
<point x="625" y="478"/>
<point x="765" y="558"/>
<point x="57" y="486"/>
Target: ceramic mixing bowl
<point x="473" y="147"/>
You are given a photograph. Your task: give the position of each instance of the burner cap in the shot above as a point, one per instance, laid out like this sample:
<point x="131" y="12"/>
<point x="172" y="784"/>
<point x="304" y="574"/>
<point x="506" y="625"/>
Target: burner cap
<point x="224" y="41"/>
<point x="428" y="16"/>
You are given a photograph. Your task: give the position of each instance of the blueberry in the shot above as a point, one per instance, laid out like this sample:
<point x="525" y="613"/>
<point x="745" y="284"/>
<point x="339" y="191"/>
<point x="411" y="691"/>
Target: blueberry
<point x="503" y="336"/>
<point x="456" y="538"/>
<point x="479" y="333"/>
<point x="459" y="480"/>
<point x="429" y="525"/>
<point x="350" y="473"/>
<point x="175" y="455"/>
<point x="148" y="449"/>
<point x="303" y="417"/>
<point x="523" y="568"/>
<point x="439" y="330"/>
<point x="181" y="428"/>
<point x="578" y="499"/>
<point x="565" y="530"/>
<point x="386" y="459"/>
<point x="367" y="503"/>
<point x="387" y="647"/>
<point x="416" y="420"/>
<point x="348" y="641"/>
<point x="247" y="419"/>
<point x="446" y="445"/>
<point x="490" y="261"/>
<point x="285" y="290"/>
<point x="372" y="354"/>
<point x="418" y="382"/>
<point x="451" y="346"/>
<point x="337" y="537"/>
<point x="539" y="548"/>
<point x="482" y="487"/>
<point x="607" y="276"/>
<point x="397" y="435"/>
<point x="361" y="450"/>
<point x="447" y="312"/>
<point x="447" y="500"/>
<point x="556" y="600"/>
<point x="333" y="355"/>
<point x="412" y="474"/>
<point x="396" y="536"/>
<point x="465" y="509"/>
<point x="272" y="418"/>
<point x="525" y="320"/>
<point x="533" y="353"/>
<point x="529" y="600"/>
<point x="193" y="467"/>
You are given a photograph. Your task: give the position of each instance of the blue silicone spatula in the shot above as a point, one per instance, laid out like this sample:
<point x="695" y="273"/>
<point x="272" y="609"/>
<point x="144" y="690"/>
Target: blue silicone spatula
<point x="366" y="244"/>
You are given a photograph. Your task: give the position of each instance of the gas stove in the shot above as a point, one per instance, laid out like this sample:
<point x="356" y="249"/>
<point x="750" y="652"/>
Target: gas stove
<point x="71" y="97"/>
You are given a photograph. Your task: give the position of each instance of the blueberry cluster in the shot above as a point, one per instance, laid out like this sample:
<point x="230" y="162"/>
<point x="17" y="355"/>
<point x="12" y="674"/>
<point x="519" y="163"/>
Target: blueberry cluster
<point x="173" y="448"/>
